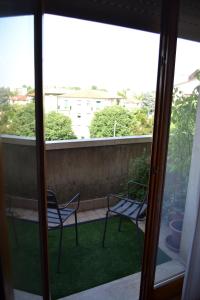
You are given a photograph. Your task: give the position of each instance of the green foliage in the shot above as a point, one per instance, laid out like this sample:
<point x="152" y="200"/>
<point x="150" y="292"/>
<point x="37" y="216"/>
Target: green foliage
<point x="29" y="88"/>
<point x="182" y="131"/>
<point x="58" y="127"/>
<point x="118" y="121"/>
<point x="123" y="93"/>
<point x="4" y="95"/>
<point x="139" y="172"/>
<point x="197" y="74"/>
<point x="148" y="101"/>
<point x="142" y="123"/>
<point x="139" y="168"/>
<point x="21" y="120"/>
<point x="6" y="116"/>
<point x="82" y="267"/>
<point x="111" y="121"/>
<point x="183" y="120"/>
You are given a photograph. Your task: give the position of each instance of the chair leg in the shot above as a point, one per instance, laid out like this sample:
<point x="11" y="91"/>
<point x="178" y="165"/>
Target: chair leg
<point x="60" y="250"/>
<point x="76" y="227"/>
<point x="15" y="231"/>
<point x="139" y="241"/>
<point x="120" y="223"/>
<point x="105" y="227"/>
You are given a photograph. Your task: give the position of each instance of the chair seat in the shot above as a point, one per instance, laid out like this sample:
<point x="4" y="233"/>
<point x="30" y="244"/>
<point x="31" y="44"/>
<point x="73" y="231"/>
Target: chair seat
<point x="129" y="208"/>
<point x="53" y="216"/>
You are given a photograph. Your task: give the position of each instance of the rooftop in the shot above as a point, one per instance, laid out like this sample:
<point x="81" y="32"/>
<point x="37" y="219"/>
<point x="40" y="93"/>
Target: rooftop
<point x="92" y="94"/>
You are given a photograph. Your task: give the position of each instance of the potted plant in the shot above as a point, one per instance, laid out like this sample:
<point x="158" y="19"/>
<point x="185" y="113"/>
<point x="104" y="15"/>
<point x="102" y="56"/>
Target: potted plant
<point x="174" y="239"/>
<point x="173" y="209"/>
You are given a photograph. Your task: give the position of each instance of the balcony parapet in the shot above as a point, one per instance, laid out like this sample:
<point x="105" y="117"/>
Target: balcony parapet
<point x="93" y="167"/>
<point x="18" y="140"/>
<point x="77" y="143"/>
<point x="98" y="142"/>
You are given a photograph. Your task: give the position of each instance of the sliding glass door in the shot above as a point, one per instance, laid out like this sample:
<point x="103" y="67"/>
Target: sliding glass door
<point x="18" y="140"/>
<point x="181" y="187"/>
<point x="99" y="96"/>
<point x="172" y="186"/>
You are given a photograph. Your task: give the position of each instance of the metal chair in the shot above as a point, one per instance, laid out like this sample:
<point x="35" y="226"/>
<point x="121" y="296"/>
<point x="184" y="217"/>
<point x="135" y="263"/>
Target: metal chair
<point x="10" y="213"/>
<point x="58" y="215"/>
<point x="132" y="206"/>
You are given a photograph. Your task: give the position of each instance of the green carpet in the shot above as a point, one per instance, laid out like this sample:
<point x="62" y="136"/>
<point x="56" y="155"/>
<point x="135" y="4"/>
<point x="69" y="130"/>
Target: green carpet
<point x="82" y="267"/>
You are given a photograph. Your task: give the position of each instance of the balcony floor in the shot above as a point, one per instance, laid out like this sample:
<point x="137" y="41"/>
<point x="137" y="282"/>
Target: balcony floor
<point x="90" y="215"/>
<point x="116" y="289"/>
<point x="126" y="287"/>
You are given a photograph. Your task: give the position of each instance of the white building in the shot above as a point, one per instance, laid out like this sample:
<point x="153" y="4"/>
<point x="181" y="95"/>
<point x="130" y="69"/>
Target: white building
<point x="81" y="105"/>
<point x="189" y="85"/>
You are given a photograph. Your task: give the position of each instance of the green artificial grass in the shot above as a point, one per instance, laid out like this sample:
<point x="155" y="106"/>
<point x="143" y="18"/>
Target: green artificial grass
<point x="82" y="267"/>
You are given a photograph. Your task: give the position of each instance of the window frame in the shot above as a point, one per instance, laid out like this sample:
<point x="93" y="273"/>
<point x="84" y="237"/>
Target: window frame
<point x="167" y="53"/>
<point x="164" y="91"/>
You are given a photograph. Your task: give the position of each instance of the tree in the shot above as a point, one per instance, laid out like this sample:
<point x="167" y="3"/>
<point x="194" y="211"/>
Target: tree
<point x="4" y="95"/>
<point x="182" y="131"/>
<point x="123" y="93"/>
<point x="58" y="127"/>
<point x="139" y="168"/>
<point x="148" y="101"/>
<point x="6" y="116"/>
<point x="21" y="120"/>
<point x="118" y="121"/>
<point x="142" y="123"/>
<point x="29" y="88"/>
<point x="94" y="87"/>
<point x="111" y="121"/>
<point x="182" y="128"/>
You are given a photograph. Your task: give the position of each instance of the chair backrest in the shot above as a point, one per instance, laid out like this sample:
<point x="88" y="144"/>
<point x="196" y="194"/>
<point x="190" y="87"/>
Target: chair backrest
<point x="52" y="203"/>
<point x="52" y="200"/>
<point x="137" y="191"/>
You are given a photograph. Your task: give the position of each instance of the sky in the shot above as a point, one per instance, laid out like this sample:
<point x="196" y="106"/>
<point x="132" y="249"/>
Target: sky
<point x="83" y="53"/>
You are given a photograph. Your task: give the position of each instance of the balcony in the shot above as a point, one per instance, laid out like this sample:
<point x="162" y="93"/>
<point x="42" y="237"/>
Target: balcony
<point x="95" y="168"/>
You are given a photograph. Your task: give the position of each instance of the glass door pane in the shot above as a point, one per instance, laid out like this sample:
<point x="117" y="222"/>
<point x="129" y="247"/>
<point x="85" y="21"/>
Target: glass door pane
<point x="99" y="96"/>
<point x="17" y="122"/>
<point x="180" y="190"/>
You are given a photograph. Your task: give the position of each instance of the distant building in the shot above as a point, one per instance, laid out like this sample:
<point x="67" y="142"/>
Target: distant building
<point x="51" y="99"/>
<point x="81" y="105"/>
<point x="131" y="103"/>
<point x="21" y="96"/>
<point x="189" y="85"/>
<point x="19" y="99"/>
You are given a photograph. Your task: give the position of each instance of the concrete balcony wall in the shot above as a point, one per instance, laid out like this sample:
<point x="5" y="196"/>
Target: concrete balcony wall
<point x="19" y="166"/>
<point x="92" y="167"/>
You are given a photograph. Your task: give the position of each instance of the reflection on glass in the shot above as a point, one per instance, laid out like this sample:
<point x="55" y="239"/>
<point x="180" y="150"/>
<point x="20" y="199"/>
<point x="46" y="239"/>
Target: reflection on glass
<point x="179" y="190"/>
<point x="17" y="125"/>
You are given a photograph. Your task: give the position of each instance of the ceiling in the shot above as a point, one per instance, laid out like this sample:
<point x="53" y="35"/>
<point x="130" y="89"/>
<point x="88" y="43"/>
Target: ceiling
<point x="140" y="14"/>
